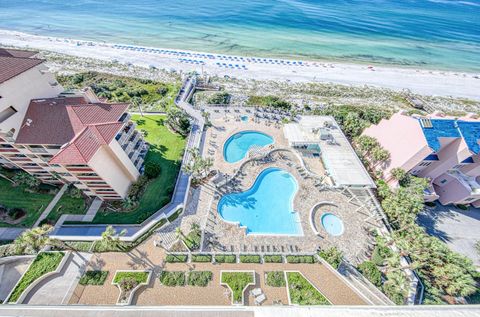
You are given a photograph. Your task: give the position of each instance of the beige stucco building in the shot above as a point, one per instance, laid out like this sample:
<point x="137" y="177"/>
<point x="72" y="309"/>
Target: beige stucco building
<point x="62" y="137"/>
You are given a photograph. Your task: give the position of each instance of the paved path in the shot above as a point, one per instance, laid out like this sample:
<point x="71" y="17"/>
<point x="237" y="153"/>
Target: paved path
<point x="93" y="232"/>
<point x="58" y="289"/>
<point x="51" y="205"/>
<point x="10" y="233"/>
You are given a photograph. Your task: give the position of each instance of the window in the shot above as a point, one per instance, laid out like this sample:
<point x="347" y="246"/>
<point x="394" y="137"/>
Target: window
<point x="53" y="147"/>
<point x="37" y="149"/>
<point x="443" y="181"/>
<point x="469" y="199"/>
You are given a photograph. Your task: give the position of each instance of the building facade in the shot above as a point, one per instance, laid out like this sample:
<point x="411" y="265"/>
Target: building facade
<point x="62" y="137"/>
<point x="442" y="149"/>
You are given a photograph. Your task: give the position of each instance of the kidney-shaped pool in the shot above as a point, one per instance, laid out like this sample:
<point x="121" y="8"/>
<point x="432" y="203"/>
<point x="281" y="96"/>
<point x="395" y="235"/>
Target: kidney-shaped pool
<point x="267" y="207"/>
<point x="236" y="147"/>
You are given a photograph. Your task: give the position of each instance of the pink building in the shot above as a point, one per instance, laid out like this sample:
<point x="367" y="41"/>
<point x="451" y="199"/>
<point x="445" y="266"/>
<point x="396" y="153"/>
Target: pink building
<point x="442" y="149"/>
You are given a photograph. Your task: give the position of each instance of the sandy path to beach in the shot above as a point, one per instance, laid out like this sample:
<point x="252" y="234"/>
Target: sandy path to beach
<point x="427" y="82"/>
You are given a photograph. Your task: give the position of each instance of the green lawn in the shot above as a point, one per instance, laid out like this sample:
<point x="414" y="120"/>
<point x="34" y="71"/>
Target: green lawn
<point x="302" y="292"/>
<point x="67" y="205"/>
<point x="16" y="197"/>
<point x="167" y="149"/>
<point x="237" y="282"/>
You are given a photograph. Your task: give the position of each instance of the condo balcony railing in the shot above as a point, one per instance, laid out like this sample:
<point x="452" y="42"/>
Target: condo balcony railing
<point x="126" y="133"/>
<point x="132" y="142"/>
<point x="125" y="117"/>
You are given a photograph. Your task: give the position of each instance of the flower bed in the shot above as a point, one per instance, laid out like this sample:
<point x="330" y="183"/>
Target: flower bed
<point x="199" y="278"/>
<point x="229" y="258"/>
<point x="172" y="278"/>
<point x="237" y="282"/>
<point x="44" y="263"/>
<point x="302" y="292"/>
<point x="93" y="278"/>
<point x="275" y="279"/>
<point x="129" y="282"/>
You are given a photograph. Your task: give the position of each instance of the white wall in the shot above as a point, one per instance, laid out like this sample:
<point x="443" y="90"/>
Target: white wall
<point x="19" y="90"/>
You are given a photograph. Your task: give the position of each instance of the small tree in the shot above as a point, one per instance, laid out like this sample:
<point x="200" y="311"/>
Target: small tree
<point x="22" y="178"/>
<point x="197" y="166"/>
<point x="110" y="237"/>
<point x="152" y="169"/>
<point x="33" y="240"/>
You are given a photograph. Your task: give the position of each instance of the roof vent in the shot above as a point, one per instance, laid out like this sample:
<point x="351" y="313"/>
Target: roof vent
<point x="426" y="123"/>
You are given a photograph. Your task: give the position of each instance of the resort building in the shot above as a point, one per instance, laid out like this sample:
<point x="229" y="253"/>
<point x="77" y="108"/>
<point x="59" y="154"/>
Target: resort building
<point x="442" y="149"/>
<point x="65" y="137"/>
<point x="321" y="137"/>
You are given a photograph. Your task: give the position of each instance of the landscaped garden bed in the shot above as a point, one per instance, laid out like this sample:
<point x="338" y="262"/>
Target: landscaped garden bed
<point x="275" y="279"/>
<point x="93" y="278"/>
<point x="199" y="278"/>
<point x="226" y="258"/>
<point x="176" y="258"/>
<point x="272" y="258"/>
<point x="302" y="292"/>
<point x="129" y="282"/>
<point x="201" y="258"/>
<point x="44" y="263"/>
<point x="300" y="259"/>
<point x="237" y="282"/>
<point x="172" y="278"/>
<point x="250" y="259"/>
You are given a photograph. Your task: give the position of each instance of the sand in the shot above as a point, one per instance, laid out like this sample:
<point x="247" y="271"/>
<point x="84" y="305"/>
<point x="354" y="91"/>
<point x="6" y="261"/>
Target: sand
<point x="421" y="81"/>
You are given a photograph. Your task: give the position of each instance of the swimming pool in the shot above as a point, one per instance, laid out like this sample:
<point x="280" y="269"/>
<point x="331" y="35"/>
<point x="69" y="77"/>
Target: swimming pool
<point x="236" y="147"/>
<point x="332" y="224"/>
<point x="267" y="207"/>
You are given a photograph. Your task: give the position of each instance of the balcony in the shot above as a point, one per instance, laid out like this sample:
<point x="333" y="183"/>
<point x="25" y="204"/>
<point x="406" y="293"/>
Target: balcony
<point x="429" y="194"/>
<point x="468" y="182"/>
<point x="126" y="132"/>
<point x="125" y="117"/>
<point x="132" y="142"/>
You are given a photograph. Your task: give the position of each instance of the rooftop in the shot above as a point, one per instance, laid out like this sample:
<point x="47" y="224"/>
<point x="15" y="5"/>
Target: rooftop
<point x="14" y="66"/>
<point x="337" y="154"/>
<point x="74" y="123"/>
<point x="10" y="52"/>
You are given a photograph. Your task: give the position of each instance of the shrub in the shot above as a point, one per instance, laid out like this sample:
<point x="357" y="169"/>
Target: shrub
<point x="137" y="188"/>
<point x="201" y="258"/>
<point x="237" y="281"/>
<point x="219" y="98"/>
<point x="302" y="292"/>
<point x="371" y="272"/>
<point x="174" y="278"/>
<point x="250" y="259"/>
<point x="275" y="279"/>
<point x="333" y="256"/>
<point x="128" y="283"/>
<point x="152" y="169"/>
<point x="74" y="192"/>
<point x="380" y="253"/>
<point x="226" y="258"/>
<point x="16" y="213"/>
<point x="139" y="277"/>
<point x="93" y="278"/>
<point x="199" y="278"/>
<point x="300" y="259"/>
<point x="272" y="259"/>
<point x="192" y="239"/>
<point x="174" y="258"/>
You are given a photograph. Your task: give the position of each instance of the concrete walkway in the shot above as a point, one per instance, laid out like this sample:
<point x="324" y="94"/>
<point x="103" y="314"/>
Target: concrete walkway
<point x="58" y="289"/>
<point x="10" y="233"/>
<point x="51" y="205"/>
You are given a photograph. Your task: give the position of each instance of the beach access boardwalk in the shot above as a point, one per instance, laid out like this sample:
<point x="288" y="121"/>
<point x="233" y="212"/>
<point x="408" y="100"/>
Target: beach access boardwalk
<point x="91" y="232"/>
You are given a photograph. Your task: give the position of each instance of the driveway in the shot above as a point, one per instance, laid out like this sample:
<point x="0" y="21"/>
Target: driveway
<point x="459" y="229"/>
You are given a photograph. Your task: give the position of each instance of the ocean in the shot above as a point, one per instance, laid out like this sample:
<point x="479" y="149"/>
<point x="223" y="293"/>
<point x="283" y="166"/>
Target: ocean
<point x="433" y="34"/>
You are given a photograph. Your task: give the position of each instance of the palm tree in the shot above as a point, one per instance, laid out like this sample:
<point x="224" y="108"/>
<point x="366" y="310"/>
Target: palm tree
<point x="179" y="233"/>
<point x="195" y="227"/>
<point x="33" y="240"/>
<point x="110" y="237"/>
<point x="137" y="103"/>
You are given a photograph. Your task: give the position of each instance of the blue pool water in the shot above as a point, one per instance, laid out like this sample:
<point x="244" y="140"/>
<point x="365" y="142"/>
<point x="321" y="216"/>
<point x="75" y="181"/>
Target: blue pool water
<point x="267" y="207"/>
<point x="332" y="224"/>
<point x="237" y="146"/>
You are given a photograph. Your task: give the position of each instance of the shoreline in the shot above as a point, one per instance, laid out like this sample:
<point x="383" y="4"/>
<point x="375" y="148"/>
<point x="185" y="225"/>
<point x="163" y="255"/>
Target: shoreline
<point x="421" y="81"/>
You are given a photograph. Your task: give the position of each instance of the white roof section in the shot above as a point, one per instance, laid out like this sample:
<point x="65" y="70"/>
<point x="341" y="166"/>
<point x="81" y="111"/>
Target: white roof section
<point x="338" y="157"/>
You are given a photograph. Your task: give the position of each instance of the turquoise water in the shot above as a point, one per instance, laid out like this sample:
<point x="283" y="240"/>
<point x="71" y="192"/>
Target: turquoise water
<point x="267" y="207"/>
<point x="332" y="224"/>
<point x="237" y="146"/>
<point x="442" y="34"/>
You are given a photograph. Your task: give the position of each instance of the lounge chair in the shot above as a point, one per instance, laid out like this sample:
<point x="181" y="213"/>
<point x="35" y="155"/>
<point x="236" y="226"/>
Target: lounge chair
<point x="260" y="299"/>
<point x="256" y="292"/>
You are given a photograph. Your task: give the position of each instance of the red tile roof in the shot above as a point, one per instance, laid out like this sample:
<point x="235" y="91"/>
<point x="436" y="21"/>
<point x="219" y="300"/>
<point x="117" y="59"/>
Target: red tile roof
<point x="80" y="127"/>
<point x="11" y="52"/>
<point x="14" y="66"/>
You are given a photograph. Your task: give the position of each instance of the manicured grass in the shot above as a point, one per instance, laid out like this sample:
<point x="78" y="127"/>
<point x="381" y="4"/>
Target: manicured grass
<point x="272" y="258"/>
<point x="300" y="259"/>
<point x="199" y="278"/>
<point x="93" y="278"/>
<point x="173" y="278"/>
<point x="175" y="258"/>
<point x="237" y="281"/>
<point x="302" y="292"/>
<point x="139" y="277"/>
<point x="167" y="149"/>
<point x="44" y="263"/>
<point x="17" y="197"/>
<point x="250" y="259"/>
<point x="201" y="258"/>
<point x="67" y="205"/>
<point x="275" y="279"/>
<point x="226" y="258"/>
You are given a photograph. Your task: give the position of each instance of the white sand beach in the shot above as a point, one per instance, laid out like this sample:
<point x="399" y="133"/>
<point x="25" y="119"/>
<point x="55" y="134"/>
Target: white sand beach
<point x="421" y="81"/>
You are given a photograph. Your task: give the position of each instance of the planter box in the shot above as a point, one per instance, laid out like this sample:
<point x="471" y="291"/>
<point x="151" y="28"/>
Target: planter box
<point x="129" y="296"/>
<point x="246" y="286"/>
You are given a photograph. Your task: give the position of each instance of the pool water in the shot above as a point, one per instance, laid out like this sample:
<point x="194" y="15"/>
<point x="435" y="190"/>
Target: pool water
<point x="332" y="224"/>
<point x="267" y="207"/>
<point x="237" y="146"/>
<point x="244" y="118"/>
